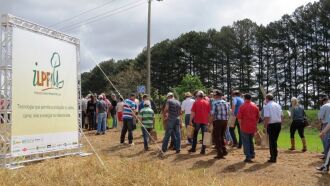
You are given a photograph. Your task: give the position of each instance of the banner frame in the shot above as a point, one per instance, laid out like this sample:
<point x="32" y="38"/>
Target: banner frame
<point x="8" y="22"/>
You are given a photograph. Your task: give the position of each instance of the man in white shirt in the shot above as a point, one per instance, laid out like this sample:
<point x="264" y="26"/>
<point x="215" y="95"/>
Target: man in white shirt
<point x="323" y="117"/>
<point x="273" y="117"/>
<point x="186" y="108"/>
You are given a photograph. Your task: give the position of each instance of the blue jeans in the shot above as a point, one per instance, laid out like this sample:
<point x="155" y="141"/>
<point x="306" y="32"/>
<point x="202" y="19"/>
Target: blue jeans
<point x="101" y="122"/>
<point x="203" y="128"/>
<point x="145" y="137"/>
<point x="114" y="121"/>
<point x="326" y="143"/>
<point x="186" y="122"/>
<point x="248" y="146"/>
<point x="172" y="129"/>
<point x="228" y="136"/>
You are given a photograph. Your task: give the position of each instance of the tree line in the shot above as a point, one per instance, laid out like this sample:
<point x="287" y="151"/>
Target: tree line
<point x="288" y="57"/>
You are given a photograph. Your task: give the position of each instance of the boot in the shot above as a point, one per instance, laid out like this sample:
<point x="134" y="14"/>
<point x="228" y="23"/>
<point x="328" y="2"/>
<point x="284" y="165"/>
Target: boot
<point x="303" y="140"/>
<point x="292" y="144"/>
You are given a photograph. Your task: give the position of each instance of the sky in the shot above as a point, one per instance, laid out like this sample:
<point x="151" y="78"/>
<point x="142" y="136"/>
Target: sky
<point x="117" y="29"/>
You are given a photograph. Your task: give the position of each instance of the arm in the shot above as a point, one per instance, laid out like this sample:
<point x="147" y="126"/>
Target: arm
<point x="192" y="115"/>
<point x="325" y="130"/>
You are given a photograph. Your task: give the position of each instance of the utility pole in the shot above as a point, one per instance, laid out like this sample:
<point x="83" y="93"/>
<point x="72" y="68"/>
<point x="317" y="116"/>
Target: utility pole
<point x="148" y="50"/>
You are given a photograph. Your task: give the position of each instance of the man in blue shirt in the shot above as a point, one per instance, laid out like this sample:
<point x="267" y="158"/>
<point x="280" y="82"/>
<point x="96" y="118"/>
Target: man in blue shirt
<point x="237" y="102"/>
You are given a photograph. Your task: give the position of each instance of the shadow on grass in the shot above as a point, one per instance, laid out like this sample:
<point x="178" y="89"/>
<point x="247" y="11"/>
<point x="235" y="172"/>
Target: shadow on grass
<point x="257" y="167"/>
<point x="116" y="148"/>
<point x="183" y="157"/>
<point x="202" y="164"/>
<point x="133" y="155"/>
<point x="234" y="167"/>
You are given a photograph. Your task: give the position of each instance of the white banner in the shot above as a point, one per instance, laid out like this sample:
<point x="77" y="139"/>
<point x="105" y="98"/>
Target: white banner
<point x="44" y="94"/>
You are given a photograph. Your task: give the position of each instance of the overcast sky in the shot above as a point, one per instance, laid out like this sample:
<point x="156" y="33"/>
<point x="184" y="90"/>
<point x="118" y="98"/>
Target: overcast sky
<point x="119" y="28"/>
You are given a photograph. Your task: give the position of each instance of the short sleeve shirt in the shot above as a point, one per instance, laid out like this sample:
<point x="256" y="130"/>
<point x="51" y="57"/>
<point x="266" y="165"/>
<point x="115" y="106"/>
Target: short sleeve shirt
<point x="202" y="109"/>
<point x="274" y="111"/>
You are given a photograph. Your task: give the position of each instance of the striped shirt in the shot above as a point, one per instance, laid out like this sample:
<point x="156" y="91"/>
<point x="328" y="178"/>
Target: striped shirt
<point x="220" y="110"/>
<point x="129" y="105"/>
<point x="147" y="116"/>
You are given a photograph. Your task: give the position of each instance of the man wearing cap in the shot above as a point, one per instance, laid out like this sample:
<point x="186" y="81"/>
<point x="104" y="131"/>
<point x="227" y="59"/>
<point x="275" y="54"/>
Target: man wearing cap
<point x="273" y="118"/>
<point x="101" y="112"/>
<point x="219" y="116"/>
<point x="200" y="113"/>
<point x="147" y="118"/>
<point x="128" y="114"/>
<point x="173" y="112"/>
<point x="325" y="167"/>
<point x="186" y="108"/>
<point x="248" y="117"/>
<point x="323" y="118"/>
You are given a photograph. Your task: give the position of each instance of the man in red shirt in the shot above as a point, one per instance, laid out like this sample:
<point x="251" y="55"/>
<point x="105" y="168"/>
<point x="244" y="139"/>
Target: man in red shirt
<point x="248" y="117"/>
<point x="200" y="112"/>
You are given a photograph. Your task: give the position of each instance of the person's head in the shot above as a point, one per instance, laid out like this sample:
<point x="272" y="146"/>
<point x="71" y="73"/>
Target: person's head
<point x="104" y="96"/>
<point x="146" y="103"/>
<point x="93" y="97"/>
<point x="247" y="97"/>
<point x="113" y="96"/>
<point x="236" y="93"/>
<point x="132" y="96"/>
<point x="217" y="94"/>
<point x="187" y="95"/>
<point x="200" y="94"/>
<point x="269" y="97"/>
<point x="324" y="100"/>
<point x="145" y="97"/>
<point x="170" y="95"/>
<point x="101" y="97"/>
<point x="294" y="101"/>
<point x="211" y="95"/>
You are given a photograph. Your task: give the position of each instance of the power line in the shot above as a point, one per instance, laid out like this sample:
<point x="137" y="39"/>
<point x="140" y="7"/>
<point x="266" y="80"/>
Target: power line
<point x="82" y="13"/>
<point x="103" y="15"/>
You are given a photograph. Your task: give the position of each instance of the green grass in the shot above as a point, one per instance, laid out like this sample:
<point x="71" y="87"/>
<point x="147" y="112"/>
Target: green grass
<point x="311" y="133"/>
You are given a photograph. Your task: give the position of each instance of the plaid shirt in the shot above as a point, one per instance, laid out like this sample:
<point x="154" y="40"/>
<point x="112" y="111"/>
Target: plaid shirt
<point x="220" y="110"/>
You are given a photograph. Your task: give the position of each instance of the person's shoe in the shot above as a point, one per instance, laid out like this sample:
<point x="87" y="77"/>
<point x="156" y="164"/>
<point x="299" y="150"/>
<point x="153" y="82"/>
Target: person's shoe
<point x="322" y="158"/>
<point x="97" y="133"/>
<point x="202" y="152"/>
<point x="219" y="157"/>
<point x="239" y="146"/>
<point x="271" y="161"/>
<point x="253" y="157"/>
<point x="291" y="149"/>
<point x="322" y="169"/>
<point x="304" y="150"/>
<point x="103" y="133"/>
<point x="225" y="153"/>
<point x="177" y="152"/>
<point x="191" y="151"/>
<point x="248" y="161"/>
<point x="132" y="144"/>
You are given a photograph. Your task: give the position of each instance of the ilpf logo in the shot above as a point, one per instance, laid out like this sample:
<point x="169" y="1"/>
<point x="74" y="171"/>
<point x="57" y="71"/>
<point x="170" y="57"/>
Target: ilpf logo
<point x="49" y="80"/>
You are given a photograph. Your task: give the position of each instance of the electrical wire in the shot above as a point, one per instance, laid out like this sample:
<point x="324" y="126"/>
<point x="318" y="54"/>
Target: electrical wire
<point x="104" y="15"/>
<point x="82" y="13"/>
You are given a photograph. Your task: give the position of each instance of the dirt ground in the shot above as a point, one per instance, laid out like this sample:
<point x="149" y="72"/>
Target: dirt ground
<point x="130" y="165"/>
<point x="296" y="168"/>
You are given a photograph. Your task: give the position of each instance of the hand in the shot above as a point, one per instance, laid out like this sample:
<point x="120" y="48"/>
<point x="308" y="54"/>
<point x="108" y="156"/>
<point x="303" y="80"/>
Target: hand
<point x="321" y="135"/>
<point x="190" y="123"/>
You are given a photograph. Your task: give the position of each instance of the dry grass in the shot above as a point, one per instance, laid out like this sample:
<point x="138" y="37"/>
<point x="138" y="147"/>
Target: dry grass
<point x="130" y="166"/>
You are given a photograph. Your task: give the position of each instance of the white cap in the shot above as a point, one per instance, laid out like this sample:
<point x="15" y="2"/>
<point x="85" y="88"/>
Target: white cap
<point x="200" y="93"/>
<point x="147" y="102"/>
<point x="170" y="94"/>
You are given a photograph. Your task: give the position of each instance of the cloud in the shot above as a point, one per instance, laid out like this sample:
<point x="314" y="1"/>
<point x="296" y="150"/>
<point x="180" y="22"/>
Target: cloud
<point x="124" y="35"/>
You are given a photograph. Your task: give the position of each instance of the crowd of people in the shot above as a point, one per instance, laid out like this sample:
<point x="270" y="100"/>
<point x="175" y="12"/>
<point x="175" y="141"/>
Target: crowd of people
<point x="203" y="114"/>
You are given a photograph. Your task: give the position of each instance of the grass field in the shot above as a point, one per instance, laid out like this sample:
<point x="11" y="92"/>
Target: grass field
<point x="311" y="132"/>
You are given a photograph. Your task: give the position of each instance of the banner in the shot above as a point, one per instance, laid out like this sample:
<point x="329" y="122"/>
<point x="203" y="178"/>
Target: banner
<point x="44" y="94"/>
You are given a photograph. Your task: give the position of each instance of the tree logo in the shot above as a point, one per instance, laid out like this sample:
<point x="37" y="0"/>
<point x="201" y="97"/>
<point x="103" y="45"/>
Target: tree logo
<point x="49" y="80"/>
